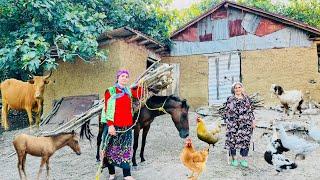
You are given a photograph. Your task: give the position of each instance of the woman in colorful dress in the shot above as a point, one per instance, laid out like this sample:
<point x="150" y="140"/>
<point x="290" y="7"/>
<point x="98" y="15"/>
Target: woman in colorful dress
<point x="240" y="122"/>
<point x="117" y="146"/>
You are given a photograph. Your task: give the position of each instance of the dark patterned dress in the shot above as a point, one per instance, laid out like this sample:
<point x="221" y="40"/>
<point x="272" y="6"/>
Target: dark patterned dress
<point x="118" y="148"/>
<point x="238" y="117"/>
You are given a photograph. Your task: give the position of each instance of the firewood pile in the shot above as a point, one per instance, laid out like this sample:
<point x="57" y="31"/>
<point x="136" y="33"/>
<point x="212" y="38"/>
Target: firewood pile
<point x="256" y="99"/>
<point x="157" y="77"/>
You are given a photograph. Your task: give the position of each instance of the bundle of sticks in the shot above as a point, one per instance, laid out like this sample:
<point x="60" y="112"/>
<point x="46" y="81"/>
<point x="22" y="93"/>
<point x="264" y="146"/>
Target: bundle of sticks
<point x="257" y="102"/>
<point x="157" y="77"/>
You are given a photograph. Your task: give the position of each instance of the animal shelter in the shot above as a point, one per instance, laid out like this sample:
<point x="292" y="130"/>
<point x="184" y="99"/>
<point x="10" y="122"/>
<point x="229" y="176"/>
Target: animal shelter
<point x="233" y="42"/>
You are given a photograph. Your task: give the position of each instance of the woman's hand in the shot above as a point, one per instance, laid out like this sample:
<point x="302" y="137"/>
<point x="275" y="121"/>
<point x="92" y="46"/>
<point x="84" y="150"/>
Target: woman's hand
<point x="112" y="131"/>
<point x="253" y="124"/>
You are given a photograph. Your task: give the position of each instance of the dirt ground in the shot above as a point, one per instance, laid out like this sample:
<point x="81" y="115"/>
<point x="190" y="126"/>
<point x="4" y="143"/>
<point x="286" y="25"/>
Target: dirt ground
<point x="162" y="157"/>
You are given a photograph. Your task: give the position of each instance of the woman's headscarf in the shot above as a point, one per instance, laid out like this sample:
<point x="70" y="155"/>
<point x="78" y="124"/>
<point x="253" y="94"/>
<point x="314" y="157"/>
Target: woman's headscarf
<point x="121" y="71"/>
<point x="234" y="85"/>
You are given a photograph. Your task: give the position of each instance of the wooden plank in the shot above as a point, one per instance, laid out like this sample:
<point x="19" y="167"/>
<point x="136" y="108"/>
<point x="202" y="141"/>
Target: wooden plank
<point x="144" y="42"/>
<point x="134" y="38"/>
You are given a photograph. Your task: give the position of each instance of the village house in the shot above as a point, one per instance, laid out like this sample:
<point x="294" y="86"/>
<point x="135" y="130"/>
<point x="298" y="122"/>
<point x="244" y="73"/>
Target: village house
<point x="233" y="42"/>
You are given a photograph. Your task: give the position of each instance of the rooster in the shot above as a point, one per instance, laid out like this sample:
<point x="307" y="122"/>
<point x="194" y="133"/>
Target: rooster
<point x="210" y="137"/>
<point x="194" y="160"/>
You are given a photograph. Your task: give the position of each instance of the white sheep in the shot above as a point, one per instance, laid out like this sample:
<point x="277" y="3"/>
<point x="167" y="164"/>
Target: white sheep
<point x="292" y="98"/>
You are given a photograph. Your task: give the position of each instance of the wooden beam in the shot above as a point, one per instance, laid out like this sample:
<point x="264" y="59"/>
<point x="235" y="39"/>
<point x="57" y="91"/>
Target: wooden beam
<point x="160" y="49"/>
<point x="152" y="46"/>
<point x="134" y="38"/>
<point x="144" y="42"/>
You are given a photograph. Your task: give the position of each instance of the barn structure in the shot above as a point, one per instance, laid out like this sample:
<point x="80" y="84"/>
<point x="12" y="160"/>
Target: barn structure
<point x="127" y="48"/>
<point x="233" y="42"/>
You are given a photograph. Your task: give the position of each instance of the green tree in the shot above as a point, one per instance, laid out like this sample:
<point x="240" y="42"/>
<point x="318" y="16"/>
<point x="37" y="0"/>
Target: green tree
<point x="35" y="33"/>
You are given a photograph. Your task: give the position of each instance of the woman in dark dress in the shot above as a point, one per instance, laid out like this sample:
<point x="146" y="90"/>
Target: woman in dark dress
<point x="240" y="122"/>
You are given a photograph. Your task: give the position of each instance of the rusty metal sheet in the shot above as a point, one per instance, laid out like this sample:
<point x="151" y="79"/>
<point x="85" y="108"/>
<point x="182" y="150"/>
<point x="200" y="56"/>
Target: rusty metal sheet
<point x="235" y="28"/>
<point x="190" y="34"/>
<point x="206" y="37"/>
<point x="219" y="14"/>
<point x="267" y="26"/>
<point x="72" y="106"/>
<point x="205" y="27"/>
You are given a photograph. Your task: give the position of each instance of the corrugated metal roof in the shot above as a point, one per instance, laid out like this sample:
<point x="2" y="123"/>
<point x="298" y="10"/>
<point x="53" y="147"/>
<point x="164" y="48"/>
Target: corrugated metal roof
<point x="250" y="22"/>
<point x="287" y="37"/>
<point x="220" y="29"/>
<point x="276" y="17"/>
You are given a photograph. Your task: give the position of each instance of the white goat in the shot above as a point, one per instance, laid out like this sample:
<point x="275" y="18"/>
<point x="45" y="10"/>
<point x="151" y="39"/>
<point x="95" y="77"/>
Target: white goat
<point x="292" y="98"/>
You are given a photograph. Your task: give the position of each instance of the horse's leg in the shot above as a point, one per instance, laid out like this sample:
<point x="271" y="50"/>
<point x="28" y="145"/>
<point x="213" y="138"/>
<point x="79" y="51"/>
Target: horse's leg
<point x="24" y="164"/>
<point x="99" y="138"/>
<point x="48" y="168"/>
<point x="4" y="115"/>
<point x="135" y="144"/>
<point x="20" y="160"/>
<point x="43" y="161"/>
<point x="144" y="137"/>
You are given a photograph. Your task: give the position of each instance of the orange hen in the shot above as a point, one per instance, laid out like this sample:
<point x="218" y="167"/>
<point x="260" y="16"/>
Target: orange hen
<point x="194" y="160"/>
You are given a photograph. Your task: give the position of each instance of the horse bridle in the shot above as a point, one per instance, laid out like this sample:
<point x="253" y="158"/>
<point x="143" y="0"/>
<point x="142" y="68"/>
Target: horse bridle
<point x="161" y="108"/>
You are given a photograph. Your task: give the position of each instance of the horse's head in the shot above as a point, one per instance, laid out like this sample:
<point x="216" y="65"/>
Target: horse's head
<point x="73" y="143"/>
<point x="178" y="109"/>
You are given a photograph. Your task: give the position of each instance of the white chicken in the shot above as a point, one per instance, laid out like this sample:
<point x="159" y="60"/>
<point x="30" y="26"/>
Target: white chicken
<point x="299" y="146"/>
<point x="314" y="132"/>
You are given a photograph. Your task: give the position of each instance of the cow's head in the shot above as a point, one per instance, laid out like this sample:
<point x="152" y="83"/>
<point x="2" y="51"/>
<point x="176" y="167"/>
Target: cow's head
<point x="39" y="83"/>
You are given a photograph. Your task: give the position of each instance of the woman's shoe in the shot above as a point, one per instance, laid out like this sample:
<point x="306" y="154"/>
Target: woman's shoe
<point x="129" y="178"/>
<point x="112" y="177"/>
<point x="244" y="163"/>
<point x="234" y="163"/>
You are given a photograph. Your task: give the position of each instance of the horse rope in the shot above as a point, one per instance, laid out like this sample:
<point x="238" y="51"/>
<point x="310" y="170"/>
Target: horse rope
<point x="159" y="108"/>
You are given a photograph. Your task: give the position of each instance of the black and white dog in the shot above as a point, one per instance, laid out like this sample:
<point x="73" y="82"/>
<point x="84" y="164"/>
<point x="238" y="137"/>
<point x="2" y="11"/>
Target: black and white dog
<point x="292" y="98"/>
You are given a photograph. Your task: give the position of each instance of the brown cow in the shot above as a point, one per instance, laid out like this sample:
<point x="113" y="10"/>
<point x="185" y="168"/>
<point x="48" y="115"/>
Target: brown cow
<point x="21" y="95"/>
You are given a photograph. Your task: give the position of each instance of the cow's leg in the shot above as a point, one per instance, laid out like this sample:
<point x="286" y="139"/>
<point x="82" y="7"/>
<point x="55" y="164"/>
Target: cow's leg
<point x="4" y="115"/>
<point x="135" y="144"/>
<point x="143" y="144"/>
<point x="38" y="119"/>
<point x="29" y="112"/>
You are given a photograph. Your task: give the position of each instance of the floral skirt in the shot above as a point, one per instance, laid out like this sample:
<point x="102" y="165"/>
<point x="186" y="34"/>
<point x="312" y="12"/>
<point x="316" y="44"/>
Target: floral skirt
<point x="238" y="134"/>
<point x="118" y="148"/>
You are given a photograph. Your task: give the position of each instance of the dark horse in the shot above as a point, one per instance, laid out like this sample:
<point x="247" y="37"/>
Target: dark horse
<point x="177" y="108"/>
